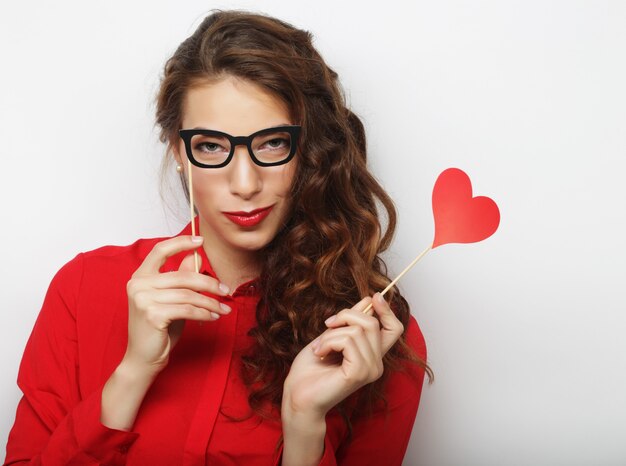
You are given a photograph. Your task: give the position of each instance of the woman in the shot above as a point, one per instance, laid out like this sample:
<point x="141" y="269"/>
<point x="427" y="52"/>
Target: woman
<point x="287" y="369"/>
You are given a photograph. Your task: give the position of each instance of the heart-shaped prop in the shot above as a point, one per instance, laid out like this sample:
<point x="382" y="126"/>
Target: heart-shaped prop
<point x="459" y="217"/>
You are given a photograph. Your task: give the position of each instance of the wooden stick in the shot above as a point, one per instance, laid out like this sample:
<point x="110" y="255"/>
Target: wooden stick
<point x="193" y="223"/>
<point x="395" y="280"/>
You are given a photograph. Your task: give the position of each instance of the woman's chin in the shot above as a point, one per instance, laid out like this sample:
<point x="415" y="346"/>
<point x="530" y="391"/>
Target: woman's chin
<point x="252" y="241"/>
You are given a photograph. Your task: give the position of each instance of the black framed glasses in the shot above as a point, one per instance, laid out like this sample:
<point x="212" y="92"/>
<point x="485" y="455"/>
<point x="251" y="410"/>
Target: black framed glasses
<point x="207" y="148"/>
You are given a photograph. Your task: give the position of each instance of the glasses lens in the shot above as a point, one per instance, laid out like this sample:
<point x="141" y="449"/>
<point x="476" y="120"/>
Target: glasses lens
<point x="210" y="150"/>
<point x="272" y="147"/>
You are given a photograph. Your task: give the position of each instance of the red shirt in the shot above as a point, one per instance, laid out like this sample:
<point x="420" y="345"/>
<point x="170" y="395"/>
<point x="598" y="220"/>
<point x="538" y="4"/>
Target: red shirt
<point x="80" y="337"/>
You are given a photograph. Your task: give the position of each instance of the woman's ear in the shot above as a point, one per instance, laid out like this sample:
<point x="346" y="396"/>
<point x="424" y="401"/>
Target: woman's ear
<point x="176" y="154"/>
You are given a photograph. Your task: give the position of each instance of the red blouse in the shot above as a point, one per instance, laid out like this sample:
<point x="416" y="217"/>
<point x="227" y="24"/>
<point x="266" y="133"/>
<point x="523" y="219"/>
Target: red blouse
<point x="80" y="337"/>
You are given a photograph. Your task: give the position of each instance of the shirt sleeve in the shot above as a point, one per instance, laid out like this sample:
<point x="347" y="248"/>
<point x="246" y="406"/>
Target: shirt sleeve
<point x="54" y="424"/>
<point x="383" y="437"/>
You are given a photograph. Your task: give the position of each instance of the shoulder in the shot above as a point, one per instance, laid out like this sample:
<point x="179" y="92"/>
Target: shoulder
<point x="405" y="385"/>
<point x="117" y="257"/>
<point x="101" y="265"/>
<point x="415" y="338"/>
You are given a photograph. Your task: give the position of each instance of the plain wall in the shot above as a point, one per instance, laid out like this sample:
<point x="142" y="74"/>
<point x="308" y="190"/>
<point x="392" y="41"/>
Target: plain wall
<point x="524" y="330"/>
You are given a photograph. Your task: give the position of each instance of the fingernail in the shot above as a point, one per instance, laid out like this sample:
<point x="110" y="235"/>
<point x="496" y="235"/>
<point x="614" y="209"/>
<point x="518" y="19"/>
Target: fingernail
<point x="225" y="307"/>
<point x="378" y="297"/>
<point x="215" y="316"/>
<point x="224" y="288"/>
<point x="197" y="239"/>
<point x="330" y="320"/>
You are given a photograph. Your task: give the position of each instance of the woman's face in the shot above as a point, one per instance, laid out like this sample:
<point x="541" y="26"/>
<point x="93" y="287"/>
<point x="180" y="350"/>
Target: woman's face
<point x="239" y="108"/>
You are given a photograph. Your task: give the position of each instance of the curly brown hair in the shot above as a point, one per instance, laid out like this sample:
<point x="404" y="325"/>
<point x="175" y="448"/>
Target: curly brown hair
<point x="326" y="257"/>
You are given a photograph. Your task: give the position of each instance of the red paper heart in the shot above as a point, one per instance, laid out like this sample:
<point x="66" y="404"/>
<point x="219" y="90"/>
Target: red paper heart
<point x="459" y="217"/>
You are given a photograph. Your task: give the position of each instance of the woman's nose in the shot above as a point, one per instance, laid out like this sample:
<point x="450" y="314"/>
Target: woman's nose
<point x="245" y="177"/>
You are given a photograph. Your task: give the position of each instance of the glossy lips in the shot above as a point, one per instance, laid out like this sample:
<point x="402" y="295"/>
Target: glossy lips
<point x="249" y="219"/>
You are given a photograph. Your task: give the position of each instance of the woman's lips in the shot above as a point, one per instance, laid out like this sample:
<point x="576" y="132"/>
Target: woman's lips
<point x="249" y="219"/>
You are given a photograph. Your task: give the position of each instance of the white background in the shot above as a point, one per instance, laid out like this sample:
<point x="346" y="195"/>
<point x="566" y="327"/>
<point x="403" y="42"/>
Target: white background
<point x="524" y="330"/>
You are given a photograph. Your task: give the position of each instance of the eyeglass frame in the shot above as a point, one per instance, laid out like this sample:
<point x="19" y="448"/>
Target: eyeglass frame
<point x="187" y="134"/>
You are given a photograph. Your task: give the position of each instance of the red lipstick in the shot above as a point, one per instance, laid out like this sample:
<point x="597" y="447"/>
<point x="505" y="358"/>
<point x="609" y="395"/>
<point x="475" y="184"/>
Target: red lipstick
<point x="249" y="219"/>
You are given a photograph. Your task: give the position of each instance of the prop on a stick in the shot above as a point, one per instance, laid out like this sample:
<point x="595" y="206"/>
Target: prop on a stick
<point x="196" y="258"/>
<point x="459" y="217"/>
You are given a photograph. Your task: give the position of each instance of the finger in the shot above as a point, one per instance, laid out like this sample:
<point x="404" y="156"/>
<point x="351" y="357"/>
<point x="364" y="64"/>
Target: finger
<point x="358" y="366"/>
<point x="164" y="249"/>
<point x="392" y="328"/>
<point x="355" y="333"/>
<point x="189" y="263"/>
<point x="354" y="317"/>
<point x="361" y="305"/>
<point x="167" y="313"/>
<point x="191" y="280"/>
<point x="184" y="296"/>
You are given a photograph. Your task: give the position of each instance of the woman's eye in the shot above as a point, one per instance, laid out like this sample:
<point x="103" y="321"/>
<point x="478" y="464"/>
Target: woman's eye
<point x="276" y="143"/>
<point x="209" y="147"/>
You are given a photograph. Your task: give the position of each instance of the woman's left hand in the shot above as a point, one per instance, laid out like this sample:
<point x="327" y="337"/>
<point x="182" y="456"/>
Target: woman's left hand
<point x="319" y="380"/>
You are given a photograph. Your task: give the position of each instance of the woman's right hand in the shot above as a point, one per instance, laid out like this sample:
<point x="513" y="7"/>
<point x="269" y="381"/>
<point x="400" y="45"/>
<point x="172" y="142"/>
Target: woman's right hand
<point x="159" y="303"/>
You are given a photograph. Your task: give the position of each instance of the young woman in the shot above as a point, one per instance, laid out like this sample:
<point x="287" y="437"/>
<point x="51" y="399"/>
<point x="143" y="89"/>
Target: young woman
<point x="264" y="356"/>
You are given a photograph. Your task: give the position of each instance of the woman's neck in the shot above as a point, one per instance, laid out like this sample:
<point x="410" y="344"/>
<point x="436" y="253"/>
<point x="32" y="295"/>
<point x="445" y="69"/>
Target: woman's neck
<point x="231" y="266"/>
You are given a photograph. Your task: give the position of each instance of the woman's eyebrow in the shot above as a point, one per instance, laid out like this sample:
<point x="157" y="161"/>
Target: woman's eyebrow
<point x="273" y="126"/>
